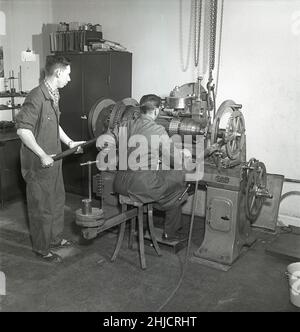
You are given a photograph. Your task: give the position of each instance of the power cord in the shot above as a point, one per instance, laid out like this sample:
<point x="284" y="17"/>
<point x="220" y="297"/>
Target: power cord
<point x="183" y="268"/>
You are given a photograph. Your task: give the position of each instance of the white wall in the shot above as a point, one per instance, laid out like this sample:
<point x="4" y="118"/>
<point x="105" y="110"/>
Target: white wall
<point x="24" y="22"/>
<point x="259" y="66"/>
<point x="260" y="69"/>
<point x="148" y="29"/>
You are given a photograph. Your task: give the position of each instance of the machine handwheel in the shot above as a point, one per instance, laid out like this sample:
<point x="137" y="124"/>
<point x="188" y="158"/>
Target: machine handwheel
<point x="256" y="184"/>
<point x="235" y="134"/>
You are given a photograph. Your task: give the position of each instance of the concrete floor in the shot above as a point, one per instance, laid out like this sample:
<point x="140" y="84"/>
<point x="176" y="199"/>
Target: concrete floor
<point x="87" y="280"/>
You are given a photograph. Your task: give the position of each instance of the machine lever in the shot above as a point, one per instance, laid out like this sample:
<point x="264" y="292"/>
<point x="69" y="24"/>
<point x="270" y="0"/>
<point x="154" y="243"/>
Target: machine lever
<point x="73" y="150"/>
<point x="186" y="189"/>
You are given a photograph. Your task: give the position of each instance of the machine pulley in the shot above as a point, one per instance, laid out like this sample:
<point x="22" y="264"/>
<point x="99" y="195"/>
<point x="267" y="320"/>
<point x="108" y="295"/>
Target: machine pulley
<point x="99" y="116"/>
<point x="228" y="130"/>
<point x="106" y="114"/>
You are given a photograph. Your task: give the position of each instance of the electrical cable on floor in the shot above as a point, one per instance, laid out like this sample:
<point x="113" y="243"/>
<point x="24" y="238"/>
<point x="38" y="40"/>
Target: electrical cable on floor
<point x="183" y="269"/>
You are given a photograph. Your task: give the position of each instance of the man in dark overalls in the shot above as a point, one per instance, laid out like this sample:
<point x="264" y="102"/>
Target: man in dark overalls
<point x="38" y="127"/>
<point x="149" y="183"/>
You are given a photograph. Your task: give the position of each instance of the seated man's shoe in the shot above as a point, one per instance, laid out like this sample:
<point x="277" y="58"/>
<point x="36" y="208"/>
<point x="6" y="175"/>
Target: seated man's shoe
<point x="51" y="257"/>
<point x="173" y="237"/>
<point x="63" y="243"/>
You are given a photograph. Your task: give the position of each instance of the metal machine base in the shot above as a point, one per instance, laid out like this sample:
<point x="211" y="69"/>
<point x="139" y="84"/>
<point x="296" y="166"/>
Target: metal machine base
<point x="217" y="265"/>
<point x="227" y="228"/>
<point x="211" y="264"/>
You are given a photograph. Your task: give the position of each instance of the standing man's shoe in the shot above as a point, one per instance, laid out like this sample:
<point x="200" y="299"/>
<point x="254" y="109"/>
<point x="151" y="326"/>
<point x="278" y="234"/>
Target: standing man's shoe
<point x="63" y="243"/>
<point x="51" y="257"/>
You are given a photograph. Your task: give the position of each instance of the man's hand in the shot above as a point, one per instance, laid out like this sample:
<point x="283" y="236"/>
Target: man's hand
<point x="46" y="161"/>
<point x="73" y="144"/>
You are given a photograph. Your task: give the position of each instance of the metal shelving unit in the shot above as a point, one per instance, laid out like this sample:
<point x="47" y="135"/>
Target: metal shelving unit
<point x="12" y="106"/>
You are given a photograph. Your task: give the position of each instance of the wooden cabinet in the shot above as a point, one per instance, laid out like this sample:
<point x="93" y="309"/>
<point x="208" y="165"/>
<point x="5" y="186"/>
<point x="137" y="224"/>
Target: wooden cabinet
<point x="94" y="75"/>
<point x="12" y="184"/>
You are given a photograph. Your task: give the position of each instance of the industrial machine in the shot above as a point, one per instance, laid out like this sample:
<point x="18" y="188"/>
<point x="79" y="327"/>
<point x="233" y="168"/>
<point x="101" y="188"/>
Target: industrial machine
<point x="236" y="188"/>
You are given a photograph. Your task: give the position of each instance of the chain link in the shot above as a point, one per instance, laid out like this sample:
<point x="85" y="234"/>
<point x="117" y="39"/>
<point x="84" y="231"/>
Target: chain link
<point x="213" y="28"/>
<point x="197" y="30"/>
<point x="185" y="64"/>
<point x="219" y="47"/>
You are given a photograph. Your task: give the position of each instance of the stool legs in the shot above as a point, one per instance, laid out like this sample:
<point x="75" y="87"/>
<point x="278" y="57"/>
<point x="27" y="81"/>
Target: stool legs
<point x="140" y="233"/>
<point x="141" y="237"/>
<point x="151" y="230"/>
<point x="120" y="237"/>
<point x="131" y="234"/>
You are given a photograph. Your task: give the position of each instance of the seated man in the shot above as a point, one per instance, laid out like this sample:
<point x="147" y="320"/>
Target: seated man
<point x="147" y="183"/>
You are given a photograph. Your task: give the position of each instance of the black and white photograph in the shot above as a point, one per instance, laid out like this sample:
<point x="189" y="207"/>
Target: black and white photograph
<point x="149" y="159"/>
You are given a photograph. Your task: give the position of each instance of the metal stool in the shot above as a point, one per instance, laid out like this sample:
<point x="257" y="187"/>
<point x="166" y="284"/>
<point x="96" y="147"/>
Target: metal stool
<point x="124" y="201"/>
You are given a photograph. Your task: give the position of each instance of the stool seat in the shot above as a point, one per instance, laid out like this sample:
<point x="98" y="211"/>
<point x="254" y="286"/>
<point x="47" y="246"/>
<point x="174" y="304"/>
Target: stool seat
<point x="127" y="200"/>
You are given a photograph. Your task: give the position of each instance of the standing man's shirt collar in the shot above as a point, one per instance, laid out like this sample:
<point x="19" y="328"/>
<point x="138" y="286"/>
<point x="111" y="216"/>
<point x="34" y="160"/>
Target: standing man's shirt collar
<point x="54" y="93"/>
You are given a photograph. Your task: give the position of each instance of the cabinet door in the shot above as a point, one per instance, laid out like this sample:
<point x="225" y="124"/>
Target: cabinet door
<point x="71" y="107"/>
<point x="96" y="71"/>
<point x="71" y="102"/>
<point x="120" y="75"/>
<point x="12" y="184"/>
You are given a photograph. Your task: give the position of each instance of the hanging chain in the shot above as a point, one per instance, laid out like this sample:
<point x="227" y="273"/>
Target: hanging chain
<point x="185" y="64"/>
<point x="213" y="28"/>
<point x="197" y="30"/>
<point x="219" y="47"/>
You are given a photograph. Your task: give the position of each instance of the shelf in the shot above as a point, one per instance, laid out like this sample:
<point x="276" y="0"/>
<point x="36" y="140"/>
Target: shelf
<point x="4" y="107"/>
<point x="9" y="95"/>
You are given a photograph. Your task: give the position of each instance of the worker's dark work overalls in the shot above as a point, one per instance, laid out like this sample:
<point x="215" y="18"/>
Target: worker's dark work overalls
<point x="44" y="186"/>
<point x="161" y="186"/>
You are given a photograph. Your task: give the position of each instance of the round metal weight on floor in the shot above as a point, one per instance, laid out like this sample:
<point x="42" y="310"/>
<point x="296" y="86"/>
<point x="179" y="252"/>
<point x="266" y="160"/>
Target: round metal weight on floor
<point x="96" y="218"/>
<point x="89" y="233"/>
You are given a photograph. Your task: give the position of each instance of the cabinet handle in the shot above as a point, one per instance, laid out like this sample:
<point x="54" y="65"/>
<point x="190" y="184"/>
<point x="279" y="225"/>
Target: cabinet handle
<point x="83" y="117"/>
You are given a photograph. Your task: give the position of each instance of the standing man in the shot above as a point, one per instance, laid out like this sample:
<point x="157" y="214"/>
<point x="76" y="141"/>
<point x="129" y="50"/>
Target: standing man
<point x="38" y="127"/>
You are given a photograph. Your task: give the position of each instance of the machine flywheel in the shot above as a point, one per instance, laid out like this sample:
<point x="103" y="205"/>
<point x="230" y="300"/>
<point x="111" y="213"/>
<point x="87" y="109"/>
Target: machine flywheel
<point x="99" y="116"/>
<point x="256" y="191"/>
<point x="229" y="129"/>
